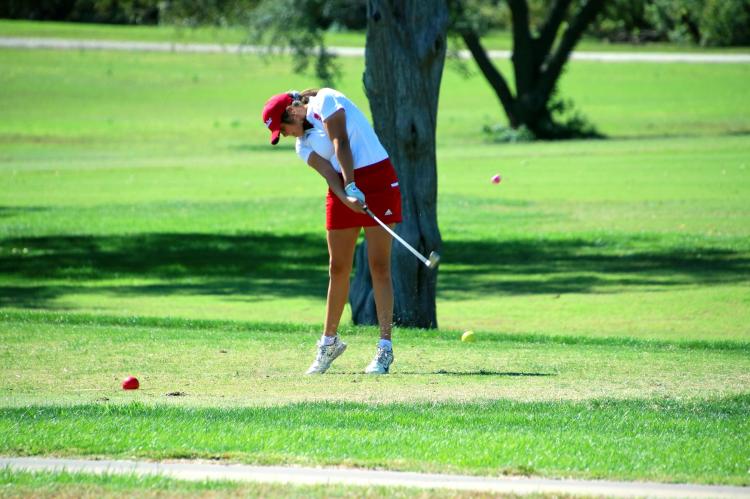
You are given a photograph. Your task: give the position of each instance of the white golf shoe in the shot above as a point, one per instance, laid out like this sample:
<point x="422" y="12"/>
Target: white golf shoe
<point x="326" y="355"/>
<point x="381" y="363"/>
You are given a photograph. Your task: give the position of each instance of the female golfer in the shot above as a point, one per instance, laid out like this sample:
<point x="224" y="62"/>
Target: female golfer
<point x="335" y="138"/>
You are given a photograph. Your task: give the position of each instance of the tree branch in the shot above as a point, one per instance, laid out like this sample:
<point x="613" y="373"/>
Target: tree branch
<point x="490" y="72"/>
<point x="548" y="31"/>
<point x="551" y="71"/>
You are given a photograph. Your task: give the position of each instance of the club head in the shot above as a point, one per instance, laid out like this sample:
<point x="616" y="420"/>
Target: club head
<point x="433" y="260"/>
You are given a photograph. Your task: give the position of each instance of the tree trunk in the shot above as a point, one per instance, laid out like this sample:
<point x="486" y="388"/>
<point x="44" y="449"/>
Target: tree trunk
<point x="404" y="58"/>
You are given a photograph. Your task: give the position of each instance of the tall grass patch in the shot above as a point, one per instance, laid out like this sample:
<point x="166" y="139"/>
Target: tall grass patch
<point x="700" y="441"/>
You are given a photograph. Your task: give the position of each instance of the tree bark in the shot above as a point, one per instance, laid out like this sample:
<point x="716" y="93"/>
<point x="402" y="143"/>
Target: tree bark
<point x="404" y="58"/>
<point x="523" y="49"/>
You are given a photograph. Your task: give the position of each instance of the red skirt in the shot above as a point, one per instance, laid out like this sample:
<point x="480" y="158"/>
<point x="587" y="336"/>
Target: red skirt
<point x="379" y="184"/>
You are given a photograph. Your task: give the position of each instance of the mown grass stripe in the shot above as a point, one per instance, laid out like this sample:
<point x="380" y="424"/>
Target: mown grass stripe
<point x="78" y="319"/>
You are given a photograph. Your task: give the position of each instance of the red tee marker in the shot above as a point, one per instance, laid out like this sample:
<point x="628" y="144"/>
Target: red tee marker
<point x="130" y="383"/>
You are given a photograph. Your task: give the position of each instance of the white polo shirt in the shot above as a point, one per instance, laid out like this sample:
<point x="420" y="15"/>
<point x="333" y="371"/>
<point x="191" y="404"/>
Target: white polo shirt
<point x="365" y="145"/>
<point x="317" y="141"/>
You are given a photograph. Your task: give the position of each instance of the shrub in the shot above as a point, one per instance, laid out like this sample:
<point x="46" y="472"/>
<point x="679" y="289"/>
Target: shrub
<point x="676" y="20"/>
<point x="95" y="11"/>
<point x="726" y="22"/>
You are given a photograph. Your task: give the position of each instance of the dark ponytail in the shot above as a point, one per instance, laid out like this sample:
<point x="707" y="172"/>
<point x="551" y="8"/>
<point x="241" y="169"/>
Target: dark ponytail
<point x="299" y="99"/>
<point x="302" y="98"/>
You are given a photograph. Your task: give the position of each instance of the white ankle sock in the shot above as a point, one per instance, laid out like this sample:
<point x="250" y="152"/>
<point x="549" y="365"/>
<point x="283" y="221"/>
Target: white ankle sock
<point x="386" y="344"/>
<point x="327" y="340"/>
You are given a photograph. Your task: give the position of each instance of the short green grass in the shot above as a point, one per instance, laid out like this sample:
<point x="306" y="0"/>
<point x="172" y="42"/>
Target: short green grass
<point x="147" y="228"/>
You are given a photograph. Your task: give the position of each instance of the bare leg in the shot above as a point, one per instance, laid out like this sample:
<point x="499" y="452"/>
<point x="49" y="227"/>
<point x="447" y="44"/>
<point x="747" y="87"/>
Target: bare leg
<point x="341" y="245"/>
<point x="379" y="256"/>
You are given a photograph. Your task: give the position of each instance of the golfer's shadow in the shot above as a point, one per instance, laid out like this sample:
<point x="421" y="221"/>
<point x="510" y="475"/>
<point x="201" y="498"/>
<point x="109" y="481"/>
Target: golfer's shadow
<point x="484" y="372"/>
<point x="480" y="372"/>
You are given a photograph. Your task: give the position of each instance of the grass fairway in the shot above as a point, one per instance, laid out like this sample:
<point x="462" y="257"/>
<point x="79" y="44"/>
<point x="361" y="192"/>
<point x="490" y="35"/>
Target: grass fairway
<point x="545" y="406"/>
<point x="147" y="228"/>
<point x="623" y="409"/>
<point x="142" y="184"/>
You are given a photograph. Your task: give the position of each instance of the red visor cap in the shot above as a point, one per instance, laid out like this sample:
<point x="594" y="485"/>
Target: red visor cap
<point x="272" y="112"/>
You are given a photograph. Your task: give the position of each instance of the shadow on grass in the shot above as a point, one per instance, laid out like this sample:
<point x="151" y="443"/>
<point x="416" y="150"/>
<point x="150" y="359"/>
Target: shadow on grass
<point x="258" y="266"/>
<point x="250" y="266"/>
<point x="739" y="132"/>
<point x="556" y="266"/>
<point x="12" y="211"/>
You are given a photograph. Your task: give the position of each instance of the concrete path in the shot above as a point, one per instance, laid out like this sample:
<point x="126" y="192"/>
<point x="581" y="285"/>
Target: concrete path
<point x="211" y="48"/>
<point x="187" y="470"/>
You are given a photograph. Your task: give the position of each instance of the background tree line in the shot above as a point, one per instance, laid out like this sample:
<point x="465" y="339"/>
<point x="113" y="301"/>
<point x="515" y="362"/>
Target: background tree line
<point x="701" y="22"/>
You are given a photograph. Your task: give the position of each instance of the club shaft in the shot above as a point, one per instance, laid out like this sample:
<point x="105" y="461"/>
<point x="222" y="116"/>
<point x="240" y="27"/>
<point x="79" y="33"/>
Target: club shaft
<point x="398" y="238"/>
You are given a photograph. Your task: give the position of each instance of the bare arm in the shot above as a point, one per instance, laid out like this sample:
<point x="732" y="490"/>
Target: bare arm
<point x="324" y="168"/>
<point x="336" y="129"/>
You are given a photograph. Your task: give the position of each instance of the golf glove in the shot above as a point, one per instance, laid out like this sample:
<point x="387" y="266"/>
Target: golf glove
<point x="353" y="191"/>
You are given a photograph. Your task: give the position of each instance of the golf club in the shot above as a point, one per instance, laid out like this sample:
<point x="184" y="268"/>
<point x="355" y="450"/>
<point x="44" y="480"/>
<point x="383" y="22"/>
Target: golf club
<point x="430" y="262"/>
